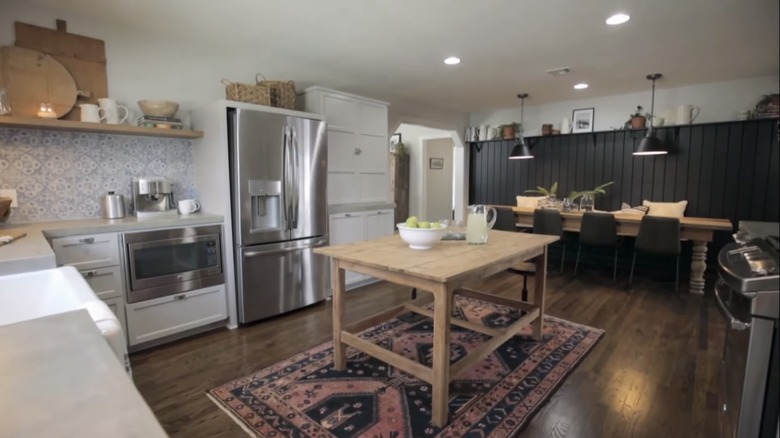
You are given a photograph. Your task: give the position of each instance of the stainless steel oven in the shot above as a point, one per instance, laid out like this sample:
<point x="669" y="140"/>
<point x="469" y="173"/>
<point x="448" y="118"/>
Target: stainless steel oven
<point x="172" y="261"/>
<point x="747" y="293"/>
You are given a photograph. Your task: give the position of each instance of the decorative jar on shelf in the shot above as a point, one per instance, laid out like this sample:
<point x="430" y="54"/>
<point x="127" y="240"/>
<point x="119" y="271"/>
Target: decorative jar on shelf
<point x="568" y="205"/>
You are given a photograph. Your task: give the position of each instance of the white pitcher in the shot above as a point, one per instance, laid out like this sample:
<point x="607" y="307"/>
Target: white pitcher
<point x="686" y="114"/>
<point x="477" y="225"/>
<point x="111" y="110"/>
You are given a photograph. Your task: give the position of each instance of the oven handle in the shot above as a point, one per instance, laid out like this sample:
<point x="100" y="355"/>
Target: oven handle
<point x="733" y="322"/>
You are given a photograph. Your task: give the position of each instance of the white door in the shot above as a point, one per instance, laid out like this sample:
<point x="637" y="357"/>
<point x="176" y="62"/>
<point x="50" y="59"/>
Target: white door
<point x="437" y="178"/>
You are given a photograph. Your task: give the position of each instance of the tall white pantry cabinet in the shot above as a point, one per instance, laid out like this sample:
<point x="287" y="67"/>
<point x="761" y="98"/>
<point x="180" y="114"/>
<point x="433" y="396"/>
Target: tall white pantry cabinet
<point x="358" y="167"/>
<point x="358" y="164"/>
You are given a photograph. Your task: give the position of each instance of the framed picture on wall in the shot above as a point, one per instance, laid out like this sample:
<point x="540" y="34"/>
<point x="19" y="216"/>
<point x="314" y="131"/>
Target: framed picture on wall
<point x="436" y="163"/>
<point x="582" y="120"/>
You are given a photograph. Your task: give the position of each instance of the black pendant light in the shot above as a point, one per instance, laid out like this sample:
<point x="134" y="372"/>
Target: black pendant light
<point x="651" y="145"/>
<point x="521" y="151"/>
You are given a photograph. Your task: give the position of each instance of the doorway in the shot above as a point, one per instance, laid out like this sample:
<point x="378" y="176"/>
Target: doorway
<point x="436" y="170"/>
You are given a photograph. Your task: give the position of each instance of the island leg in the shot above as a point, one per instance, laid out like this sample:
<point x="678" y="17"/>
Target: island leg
<point x="540" y="283"/>
<point x="698" y="265"/>
<point x="441" y="355"/>
<point x="339" y="348"/>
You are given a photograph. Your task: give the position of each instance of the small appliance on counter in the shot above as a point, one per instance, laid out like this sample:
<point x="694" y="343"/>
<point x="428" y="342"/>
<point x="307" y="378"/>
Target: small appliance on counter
<point x="112" y="206"/>
<point x="153" y="197"/>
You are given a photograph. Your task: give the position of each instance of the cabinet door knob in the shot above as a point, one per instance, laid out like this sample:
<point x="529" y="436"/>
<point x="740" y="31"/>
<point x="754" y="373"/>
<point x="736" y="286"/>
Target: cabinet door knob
<point x="88" y="273"/>
<point x="87" y="240"/>
<point x="180" y="297"/>
<point x="347" y="215"/>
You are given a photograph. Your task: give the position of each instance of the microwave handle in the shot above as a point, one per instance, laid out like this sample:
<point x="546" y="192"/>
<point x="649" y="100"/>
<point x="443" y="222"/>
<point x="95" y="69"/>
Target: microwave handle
<point x="733" y="322"/>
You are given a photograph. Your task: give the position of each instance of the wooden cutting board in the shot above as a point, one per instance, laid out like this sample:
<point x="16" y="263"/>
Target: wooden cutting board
<point x="31" y="78"/>
<point x="83" y="57"/>
<point x="14" y="235"/>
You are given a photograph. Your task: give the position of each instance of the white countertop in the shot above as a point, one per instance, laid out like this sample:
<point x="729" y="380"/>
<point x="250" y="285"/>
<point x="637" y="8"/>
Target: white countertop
<point x="60" y="379"/>
<point x="32" y="252"/>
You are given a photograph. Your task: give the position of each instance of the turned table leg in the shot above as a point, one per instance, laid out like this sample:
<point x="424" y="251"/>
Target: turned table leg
<point x="698" y="266"/>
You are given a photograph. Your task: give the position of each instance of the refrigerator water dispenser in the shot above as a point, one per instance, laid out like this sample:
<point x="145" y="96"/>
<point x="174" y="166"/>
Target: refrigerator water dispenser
<point x="266" y="201"/>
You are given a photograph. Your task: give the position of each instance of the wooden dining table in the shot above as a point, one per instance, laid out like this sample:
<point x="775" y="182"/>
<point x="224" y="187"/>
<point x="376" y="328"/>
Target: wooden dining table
<point x="443" y="270"/>
<point x="698" y="230"/>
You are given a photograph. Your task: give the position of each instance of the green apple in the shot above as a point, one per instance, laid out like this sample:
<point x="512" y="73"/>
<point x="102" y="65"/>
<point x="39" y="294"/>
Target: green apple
<point x="435" y="225"/>
<point x="424" y="224"/>
<point x="411" y="222"/>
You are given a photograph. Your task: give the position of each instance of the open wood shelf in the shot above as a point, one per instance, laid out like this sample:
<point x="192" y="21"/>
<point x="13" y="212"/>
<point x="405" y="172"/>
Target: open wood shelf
<point x="100" y="128"/>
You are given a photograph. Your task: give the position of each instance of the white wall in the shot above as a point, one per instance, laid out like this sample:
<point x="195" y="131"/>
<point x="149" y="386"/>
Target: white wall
<point x="718" y="101"/>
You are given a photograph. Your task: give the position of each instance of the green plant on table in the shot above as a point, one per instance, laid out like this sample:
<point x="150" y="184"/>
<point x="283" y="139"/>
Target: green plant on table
<point x="551" y="192"/>
<point x="599" y="190"/>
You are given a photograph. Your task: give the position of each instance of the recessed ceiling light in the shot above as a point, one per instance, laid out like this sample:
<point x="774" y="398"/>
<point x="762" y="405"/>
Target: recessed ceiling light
<point x="452" y="60"/>
<point x="618" y="19"/>
<point x="581" y="86"/>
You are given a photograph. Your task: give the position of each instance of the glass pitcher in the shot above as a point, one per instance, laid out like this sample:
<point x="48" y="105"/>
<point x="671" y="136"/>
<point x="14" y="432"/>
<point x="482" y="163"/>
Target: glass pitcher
<point x="477" y="224"/>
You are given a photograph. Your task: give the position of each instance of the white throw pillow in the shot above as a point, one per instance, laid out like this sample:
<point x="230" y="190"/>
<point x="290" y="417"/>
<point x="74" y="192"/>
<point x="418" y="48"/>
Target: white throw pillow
<point x="639" y="210"/>
<point x="529" y="201"/>
<point x="669" y="209"/>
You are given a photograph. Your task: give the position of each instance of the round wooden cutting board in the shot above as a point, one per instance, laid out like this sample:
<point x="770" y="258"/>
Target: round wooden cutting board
<point x="31" y="78"/>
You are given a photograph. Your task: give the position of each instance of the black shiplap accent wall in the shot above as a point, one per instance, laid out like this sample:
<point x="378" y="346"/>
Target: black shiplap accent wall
<point x="725" y="170"/>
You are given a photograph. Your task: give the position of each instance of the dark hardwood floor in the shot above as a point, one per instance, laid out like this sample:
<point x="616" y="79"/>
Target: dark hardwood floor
<point x="653" y="374"/>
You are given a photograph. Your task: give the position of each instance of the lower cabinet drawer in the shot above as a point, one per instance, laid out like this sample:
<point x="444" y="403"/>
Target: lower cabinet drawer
<point x="105" y="282"/>
<point x="161" y="317"/>
<point x="85" y="252"/>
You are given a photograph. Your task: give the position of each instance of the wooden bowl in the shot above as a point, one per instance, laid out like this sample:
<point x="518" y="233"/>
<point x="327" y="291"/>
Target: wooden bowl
<point x="5" y="208"/>
<point x="158" y="108"/>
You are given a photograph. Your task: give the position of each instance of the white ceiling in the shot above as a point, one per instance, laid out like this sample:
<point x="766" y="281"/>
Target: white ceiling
<point x="394" y="49"/>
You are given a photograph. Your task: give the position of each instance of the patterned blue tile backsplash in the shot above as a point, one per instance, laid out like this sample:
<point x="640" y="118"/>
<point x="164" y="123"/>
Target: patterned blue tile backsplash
<point x="62" y="175"/>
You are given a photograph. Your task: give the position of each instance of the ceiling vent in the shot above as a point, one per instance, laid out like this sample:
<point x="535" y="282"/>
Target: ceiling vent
<point x="560" y="71"/>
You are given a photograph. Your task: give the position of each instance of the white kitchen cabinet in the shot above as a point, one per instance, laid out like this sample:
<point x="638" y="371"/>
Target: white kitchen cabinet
<point x="87" y="251"/>
<point x="357" y="227"/>
<point x="97" y="257"/>
<point x="160" y="317"/>
<point x="358" y="165"/>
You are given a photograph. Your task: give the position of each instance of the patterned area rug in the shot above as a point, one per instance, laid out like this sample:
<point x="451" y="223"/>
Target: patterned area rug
<point x="304" y="397"/>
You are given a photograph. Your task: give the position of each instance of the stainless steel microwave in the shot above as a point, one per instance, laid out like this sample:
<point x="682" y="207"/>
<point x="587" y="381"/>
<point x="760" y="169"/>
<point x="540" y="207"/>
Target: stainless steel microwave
<point x="171" y="261"/>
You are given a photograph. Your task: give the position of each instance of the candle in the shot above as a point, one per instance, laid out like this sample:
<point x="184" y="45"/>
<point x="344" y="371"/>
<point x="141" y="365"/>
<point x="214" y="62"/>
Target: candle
<point x="46" y="111"/>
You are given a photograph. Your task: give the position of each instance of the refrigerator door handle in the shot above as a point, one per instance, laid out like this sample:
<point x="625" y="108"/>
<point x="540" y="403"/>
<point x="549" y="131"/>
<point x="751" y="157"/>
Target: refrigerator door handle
<point x="295" y="178"/>
<point x="287" y="217"/>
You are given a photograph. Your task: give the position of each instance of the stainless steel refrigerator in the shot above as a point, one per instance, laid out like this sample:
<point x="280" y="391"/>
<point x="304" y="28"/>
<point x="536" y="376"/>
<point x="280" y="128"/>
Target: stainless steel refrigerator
<point x="278" y="177"/>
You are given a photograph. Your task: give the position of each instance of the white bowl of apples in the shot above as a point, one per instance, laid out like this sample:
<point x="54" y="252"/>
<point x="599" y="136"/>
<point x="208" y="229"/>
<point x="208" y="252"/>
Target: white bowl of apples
<point x="421" y="234"/>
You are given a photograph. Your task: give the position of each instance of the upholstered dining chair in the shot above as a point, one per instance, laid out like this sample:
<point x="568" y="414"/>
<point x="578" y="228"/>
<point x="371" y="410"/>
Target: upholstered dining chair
<point x="658" y="235"/>
<point x="600" y="230"/>
<point x="505" y="221"/>
<point x="548" y="221"/>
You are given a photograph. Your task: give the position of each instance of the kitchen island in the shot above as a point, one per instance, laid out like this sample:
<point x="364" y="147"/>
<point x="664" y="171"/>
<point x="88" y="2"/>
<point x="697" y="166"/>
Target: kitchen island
<point x="443" y="270"/>
<point x="60" y="379"/>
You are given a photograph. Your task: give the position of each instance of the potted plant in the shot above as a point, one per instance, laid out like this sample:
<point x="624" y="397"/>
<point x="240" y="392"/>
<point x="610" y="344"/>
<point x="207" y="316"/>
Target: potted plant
<point x="638" y="119"/>
<point x="510" y="130"/>
<point x="590" y="195"/>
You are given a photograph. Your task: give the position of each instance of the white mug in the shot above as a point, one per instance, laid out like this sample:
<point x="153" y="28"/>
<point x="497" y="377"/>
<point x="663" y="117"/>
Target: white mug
<point x="111" y="109"/>
<point x="91" y="113"/>
<point x="187" y="206"/>
<point x="685" y="114"/>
